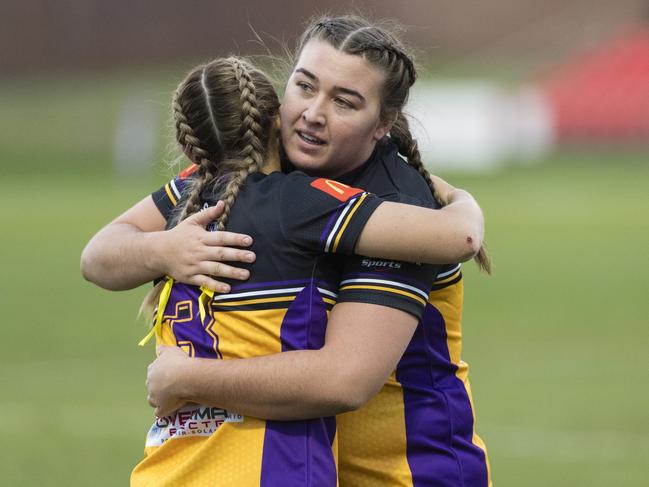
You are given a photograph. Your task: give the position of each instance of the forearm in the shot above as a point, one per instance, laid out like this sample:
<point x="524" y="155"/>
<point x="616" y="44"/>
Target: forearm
<point x="121" y="256"/>
<point x="285" y="386"/>
<point x="364" y="342"/>
<point x="415" y="234"/>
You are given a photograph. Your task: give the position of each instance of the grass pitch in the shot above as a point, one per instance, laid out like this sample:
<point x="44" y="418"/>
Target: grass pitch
<point x="557" y="339"/>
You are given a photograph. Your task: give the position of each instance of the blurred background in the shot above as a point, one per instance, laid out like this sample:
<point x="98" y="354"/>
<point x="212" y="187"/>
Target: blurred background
<point x="539" y="108"/>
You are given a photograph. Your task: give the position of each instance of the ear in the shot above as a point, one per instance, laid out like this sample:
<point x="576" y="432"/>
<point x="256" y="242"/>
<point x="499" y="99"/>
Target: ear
<point x="384" y="128"/>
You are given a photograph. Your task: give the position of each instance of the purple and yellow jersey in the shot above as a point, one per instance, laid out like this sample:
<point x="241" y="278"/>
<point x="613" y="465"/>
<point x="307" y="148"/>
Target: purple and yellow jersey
<point x="420" y="429"/>
<point x="296" y="224"/>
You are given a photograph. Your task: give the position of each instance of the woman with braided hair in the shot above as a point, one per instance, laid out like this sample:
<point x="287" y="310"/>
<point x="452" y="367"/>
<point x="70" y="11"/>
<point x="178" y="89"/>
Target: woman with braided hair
<point x="225" y="116"/>
<point x="346" y="93"/>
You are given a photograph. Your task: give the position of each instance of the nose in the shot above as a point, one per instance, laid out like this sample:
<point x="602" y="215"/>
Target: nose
<point x="314" y="113"/>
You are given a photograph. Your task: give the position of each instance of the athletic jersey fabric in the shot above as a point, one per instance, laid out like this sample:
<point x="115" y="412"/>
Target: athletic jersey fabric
<point x="294" y="221"/>
<point x="419" y="430"/>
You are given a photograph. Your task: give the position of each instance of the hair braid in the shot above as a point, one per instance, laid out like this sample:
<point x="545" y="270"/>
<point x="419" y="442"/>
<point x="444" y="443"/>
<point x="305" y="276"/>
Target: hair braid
<point x="407" y="145"/>
<point x="252" y="151"/>
<point x="193" y="148"/>
<point x="223" y="123"/>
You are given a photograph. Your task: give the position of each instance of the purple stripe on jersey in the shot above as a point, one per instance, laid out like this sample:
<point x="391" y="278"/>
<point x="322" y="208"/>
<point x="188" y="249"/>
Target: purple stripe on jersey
<point x="332" y="219"/>
<point x="190" y="330"/>
<point x="387" y="275"/>
<point x="298" y="453"/>
<point x="305" y="322"/>
<point x="439" y="418"/>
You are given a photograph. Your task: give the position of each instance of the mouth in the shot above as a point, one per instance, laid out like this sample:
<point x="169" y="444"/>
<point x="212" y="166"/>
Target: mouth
<point x="310" y="138"/>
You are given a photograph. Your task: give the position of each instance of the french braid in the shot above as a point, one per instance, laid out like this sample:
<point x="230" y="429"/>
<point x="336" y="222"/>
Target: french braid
<point x="252" y="152"/>
<point x="206" y="171"/>
<point x="223" y="114"/>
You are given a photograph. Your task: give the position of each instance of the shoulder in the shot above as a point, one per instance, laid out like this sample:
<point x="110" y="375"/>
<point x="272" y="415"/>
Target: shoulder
<point x="390" y="176"/>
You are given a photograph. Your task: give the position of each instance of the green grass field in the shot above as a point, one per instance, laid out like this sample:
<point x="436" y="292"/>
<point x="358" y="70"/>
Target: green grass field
<point x="557" y="338"/>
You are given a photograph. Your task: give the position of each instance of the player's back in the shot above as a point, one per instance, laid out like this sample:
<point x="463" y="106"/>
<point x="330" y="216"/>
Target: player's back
<point x="282" y="307"/>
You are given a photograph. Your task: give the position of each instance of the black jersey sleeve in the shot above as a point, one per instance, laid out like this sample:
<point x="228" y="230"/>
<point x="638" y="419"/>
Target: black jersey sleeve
<point x="322" y="215"/>
<point x="167" y="197"/>
<point x="400" y="285"/>
<point x="396" y="284"/>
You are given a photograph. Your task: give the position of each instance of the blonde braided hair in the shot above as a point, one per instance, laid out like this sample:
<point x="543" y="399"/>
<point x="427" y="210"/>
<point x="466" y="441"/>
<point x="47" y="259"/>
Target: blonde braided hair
<point x="223" y="112"/>
<point x="252" y="152"/>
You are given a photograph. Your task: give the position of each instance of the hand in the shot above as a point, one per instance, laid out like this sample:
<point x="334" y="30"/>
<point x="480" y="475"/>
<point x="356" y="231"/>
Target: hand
<point x="194" y="255"/>
<point x="443" y="190"/>
<point x="162" y="380"/>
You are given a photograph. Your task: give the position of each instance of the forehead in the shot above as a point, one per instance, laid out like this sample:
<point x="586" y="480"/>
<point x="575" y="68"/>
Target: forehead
<point x="334" y="68"/>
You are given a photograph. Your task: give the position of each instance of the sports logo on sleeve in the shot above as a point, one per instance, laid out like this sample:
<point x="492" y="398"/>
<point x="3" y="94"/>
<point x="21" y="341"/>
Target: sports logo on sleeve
<point x="340" y="191"/>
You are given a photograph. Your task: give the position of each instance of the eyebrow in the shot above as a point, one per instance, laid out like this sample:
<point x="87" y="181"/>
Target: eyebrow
<point x="340" y="89"/>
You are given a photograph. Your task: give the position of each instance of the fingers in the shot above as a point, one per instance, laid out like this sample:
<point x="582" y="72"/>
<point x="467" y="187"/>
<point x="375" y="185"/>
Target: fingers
<point x="228" y="254"/>
<point x="210" y="283"/>
<point x="208" y="215"/>
<point x="228" y="239"/>
<point x="220" y="270"/>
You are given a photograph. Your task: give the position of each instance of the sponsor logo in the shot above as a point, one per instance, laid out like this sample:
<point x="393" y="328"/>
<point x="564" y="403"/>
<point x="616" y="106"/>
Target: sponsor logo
<point x="188" y="171"/>
<point x="381" y="264"/>
<point x="190" y="421"/>
<point x="340" y="191"/>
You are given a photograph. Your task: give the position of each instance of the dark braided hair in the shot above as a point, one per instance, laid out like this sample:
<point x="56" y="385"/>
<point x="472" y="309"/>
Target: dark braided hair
<point x="381" y="48"/>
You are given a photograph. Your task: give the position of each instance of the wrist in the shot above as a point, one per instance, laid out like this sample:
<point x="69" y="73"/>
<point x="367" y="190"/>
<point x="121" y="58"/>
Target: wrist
<point x="186" y="379"/>
<point x="154" y="253"/>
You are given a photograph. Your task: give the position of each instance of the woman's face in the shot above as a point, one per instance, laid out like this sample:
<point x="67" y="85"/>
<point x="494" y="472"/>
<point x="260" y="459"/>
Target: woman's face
<point x="330" y="115"/>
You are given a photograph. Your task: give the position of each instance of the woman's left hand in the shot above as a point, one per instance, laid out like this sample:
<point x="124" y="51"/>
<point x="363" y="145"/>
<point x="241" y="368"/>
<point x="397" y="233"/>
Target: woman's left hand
<point x="163" y="380"/>
<point x="443" y="190"/>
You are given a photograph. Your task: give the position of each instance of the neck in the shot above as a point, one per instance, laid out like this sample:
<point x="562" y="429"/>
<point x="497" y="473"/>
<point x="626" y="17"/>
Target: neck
<point x="272" y="162"/>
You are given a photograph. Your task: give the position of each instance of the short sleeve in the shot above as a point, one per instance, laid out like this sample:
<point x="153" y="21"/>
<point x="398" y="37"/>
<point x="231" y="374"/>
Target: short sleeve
<point x="401" y="285"/>
<point x="323" y="215"/>
<point x="167" y="197"/>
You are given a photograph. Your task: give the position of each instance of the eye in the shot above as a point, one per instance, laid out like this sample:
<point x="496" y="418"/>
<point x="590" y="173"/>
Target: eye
<point x="343" y="103"/>
<point x="304" y="86"/>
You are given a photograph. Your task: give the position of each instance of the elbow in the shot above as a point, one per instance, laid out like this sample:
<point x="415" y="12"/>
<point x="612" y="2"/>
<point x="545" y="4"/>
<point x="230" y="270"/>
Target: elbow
<point x="354" y="393"/>
<point x="349" y="402"/>
<point x="86" y="265"/>
<point x="470" y="244"/>
<point x="93" y="270"/>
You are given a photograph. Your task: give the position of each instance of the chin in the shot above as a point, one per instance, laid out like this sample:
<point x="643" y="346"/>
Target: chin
<point x="305" y="163"/>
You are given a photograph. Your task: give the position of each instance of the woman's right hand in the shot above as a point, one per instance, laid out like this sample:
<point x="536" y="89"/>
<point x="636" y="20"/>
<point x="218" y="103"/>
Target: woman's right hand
<point x="191" y="254"/>
<point x="134" y="249"/>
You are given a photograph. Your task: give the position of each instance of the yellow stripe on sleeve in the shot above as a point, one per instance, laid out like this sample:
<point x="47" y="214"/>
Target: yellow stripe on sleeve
<point x="388" y="289"/>
<point x="347" y="220"/>
<point x="170" y="194"/>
